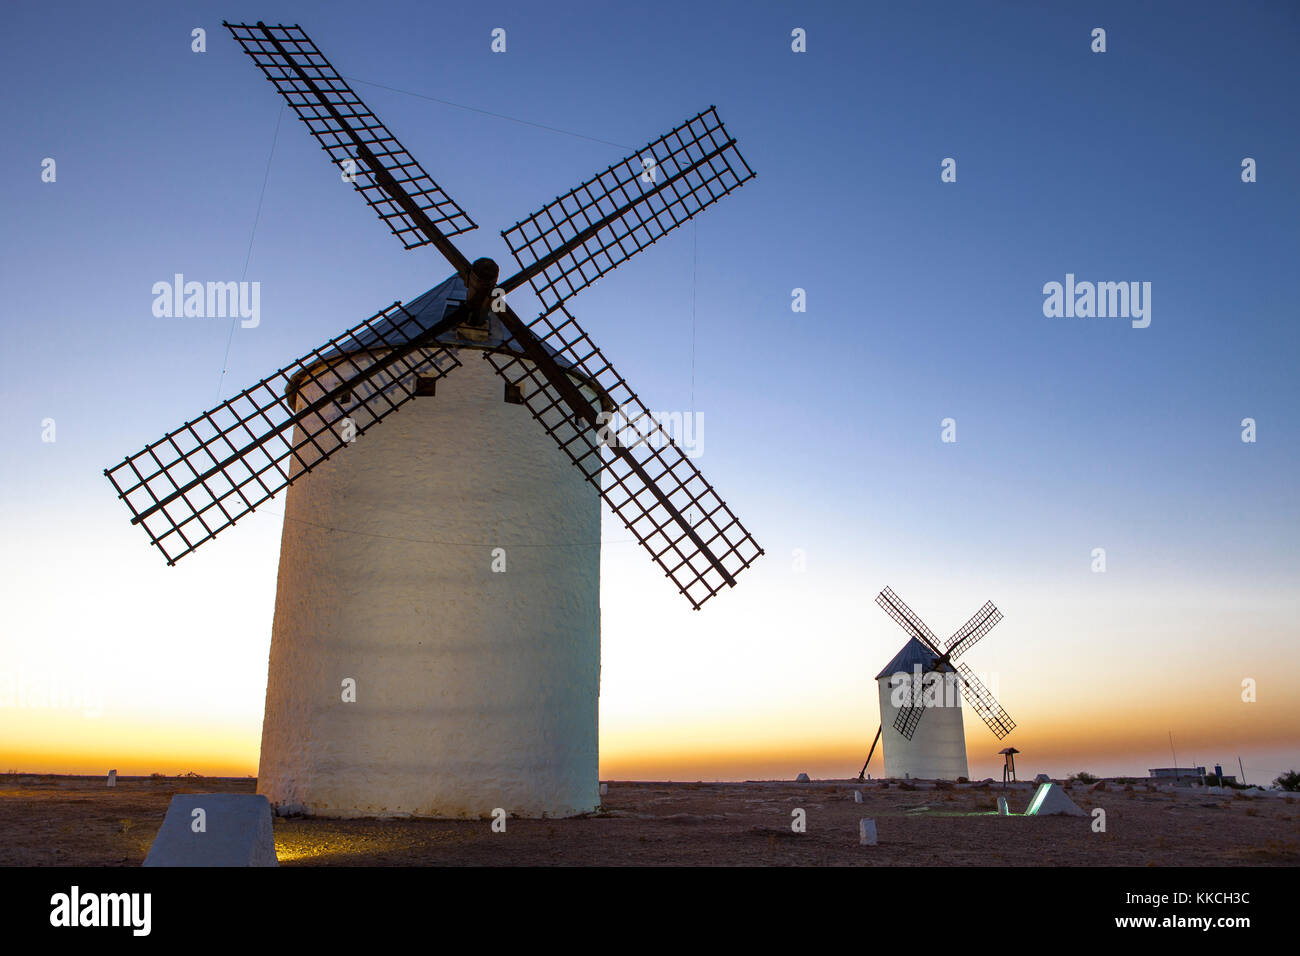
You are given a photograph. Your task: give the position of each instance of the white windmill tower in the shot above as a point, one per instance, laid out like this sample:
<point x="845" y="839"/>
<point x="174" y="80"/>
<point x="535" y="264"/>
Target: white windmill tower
<point x="436" y="642"/>
<point x="465" y="614"/>
<point x="919" y="680"/>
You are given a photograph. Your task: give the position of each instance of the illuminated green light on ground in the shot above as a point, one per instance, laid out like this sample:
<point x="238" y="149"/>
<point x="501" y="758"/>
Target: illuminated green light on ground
<point x="1039" y="797"/>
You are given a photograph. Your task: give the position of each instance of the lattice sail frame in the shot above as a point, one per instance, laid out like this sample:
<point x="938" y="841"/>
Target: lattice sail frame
<point x="629" y="206"/>
<point x="622" y="414"/>
<point x="201" y="478"/>
<point x="296" y="48"/>
<point x="894" y="606"/>
<point x="907" y="718"/>
<point x="984" y="703"/>
<point x="970" y="633"/>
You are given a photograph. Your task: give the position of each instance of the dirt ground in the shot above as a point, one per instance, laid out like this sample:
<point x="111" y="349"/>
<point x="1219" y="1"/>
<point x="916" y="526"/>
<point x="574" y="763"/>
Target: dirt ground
<point x="78" y="821"/>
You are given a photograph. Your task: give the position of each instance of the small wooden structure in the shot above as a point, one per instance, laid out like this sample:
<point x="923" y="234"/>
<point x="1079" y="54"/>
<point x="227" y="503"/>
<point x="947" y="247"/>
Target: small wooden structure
<point x="1009" y="766"/>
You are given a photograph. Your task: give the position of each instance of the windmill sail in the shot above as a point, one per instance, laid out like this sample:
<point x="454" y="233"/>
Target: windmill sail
<point x="969" y="634"/>
<point x="654" y="489"/>
<point x="199" y="479"/>
<point x="357" y="142"/>
<point x="985" y="704"/>
<point x="907" y="718"/>
<point x="893" y="606"/>
<point x="570" y="243"/>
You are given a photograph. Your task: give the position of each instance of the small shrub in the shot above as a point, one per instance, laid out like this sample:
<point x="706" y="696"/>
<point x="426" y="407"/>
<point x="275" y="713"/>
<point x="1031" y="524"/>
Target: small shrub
<point x="963" y="780"/>
<point x="1082" y="777"/>
<point x="943" y="785"/>
<point x="1289" y="781"/>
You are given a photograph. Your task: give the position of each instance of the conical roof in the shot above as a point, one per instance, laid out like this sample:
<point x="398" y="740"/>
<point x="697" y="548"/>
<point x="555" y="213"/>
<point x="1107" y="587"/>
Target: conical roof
<point x="913" y="653"/>
<point x="428" y="309"/>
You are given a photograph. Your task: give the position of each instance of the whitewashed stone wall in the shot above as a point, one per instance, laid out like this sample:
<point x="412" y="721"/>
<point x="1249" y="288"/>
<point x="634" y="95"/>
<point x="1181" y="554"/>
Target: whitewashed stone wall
<point x="474" y="689"/>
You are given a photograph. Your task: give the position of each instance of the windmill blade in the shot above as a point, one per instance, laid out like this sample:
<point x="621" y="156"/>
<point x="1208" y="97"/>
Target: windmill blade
<point x="969" y="634"/>
<point x="905" y="616"/>
<point x="907" y="718"/>
<point x="392" y="183"/>
<point x="910" y="713"/>
<point x="985" y="704"/>
<point x="570" y="243"/>
<point x="656" y="491"/>
<point x="200" y="479"/>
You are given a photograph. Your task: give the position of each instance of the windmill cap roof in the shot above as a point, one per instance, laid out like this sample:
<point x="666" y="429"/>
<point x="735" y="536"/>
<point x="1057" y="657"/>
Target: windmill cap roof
<point x="428" y="309"/>
<point x="913" y="653"/>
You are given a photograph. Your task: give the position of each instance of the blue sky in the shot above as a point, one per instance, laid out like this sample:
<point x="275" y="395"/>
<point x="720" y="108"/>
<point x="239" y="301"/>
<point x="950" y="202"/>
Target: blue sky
<point x="822" y="428"/>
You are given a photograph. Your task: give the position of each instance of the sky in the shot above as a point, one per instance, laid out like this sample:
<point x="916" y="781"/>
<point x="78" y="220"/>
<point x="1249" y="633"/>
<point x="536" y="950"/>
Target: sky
<point x="823" y="429"/>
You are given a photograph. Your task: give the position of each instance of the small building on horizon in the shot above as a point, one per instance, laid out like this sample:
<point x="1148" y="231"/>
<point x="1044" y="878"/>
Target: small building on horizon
<point x="1176" y="773"/>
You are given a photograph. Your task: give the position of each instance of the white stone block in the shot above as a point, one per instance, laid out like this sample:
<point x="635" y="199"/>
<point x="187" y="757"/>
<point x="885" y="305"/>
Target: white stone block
<point x="1003" y="811"/>
<point x="232" y="829"/>
<point x="857" y="796"/>
<point x="112" y="778"/>
<point x="867" y="832"/>
<point x="604" y="789"/>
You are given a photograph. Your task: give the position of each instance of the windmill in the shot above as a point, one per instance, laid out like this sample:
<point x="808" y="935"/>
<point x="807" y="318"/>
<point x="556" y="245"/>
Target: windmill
<point x="470" y="689"/>
<point x="937" y="751"/>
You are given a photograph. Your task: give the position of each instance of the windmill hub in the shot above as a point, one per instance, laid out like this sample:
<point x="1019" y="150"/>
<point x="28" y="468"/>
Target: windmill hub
<point x="482" y="279"/>
<point x="480" y="285"/>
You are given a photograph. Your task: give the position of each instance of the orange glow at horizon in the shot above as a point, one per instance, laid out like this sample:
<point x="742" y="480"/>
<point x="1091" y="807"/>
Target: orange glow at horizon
<point x="1115" y="742"/>
<point x="778" y="684"/>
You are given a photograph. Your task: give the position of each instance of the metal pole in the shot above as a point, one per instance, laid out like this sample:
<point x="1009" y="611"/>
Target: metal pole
<point x="863" y="772"/>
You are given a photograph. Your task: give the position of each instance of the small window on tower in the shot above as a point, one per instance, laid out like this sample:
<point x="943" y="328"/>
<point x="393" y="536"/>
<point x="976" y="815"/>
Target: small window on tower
<point x="426" y="385"/>
<point x="514" y="395"/>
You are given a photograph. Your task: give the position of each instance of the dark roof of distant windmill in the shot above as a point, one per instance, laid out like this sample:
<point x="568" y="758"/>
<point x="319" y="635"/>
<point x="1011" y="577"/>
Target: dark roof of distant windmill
<point x="913" y="653"/>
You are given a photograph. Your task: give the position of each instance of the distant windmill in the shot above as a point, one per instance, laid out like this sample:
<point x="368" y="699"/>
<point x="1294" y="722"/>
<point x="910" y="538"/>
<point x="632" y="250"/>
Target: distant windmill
<point x="937" y="751"/>
<point x="406" y="677"/>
